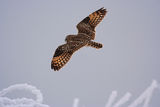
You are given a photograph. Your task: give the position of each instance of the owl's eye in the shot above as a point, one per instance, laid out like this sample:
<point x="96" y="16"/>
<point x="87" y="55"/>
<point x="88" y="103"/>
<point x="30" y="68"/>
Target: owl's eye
<point x="66" y="39"/>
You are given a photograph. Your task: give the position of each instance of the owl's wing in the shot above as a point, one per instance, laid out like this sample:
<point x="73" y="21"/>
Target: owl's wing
<point x="63" y="54"/>
<point x="61" y="57"/>
<point x="88" y="24"/>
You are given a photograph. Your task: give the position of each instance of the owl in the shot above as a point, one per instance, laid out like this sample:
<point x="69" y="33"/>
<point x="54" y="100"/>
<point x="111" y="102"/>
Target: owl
<point x="85" y="37"/>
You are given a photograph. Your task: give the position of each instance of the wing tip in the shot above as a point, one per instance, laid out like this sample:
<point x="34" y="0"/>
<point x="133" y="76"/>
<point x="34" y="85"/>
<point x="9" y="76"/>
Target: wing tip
<point x="103" y="10"/>
<point x="55" y="68"/>
<point x="54" y="65"/>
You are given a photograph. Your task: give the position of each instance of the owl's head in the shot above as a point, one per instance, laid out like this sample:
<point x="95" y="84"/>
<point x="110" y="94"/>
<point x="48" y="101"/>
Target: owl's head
<point x="69" y="38"/>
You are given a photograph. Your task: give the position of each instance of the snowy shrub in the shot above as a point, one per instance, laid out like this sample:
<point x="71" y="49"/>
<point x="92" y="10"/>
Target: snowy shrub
<point x="144" y="98"/>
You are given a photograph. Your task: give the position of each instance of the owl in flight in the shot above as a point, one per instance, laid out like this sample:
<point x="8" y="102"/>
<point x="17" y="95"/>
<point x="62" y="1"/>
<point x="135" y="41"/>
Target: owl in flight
<point x="86" y="33"/>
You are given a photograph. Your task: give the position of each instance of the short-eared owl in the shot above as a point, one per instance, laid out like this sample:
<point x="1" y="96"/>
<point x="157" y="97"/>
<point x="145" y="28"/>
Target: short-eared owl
<point x="86" y="33"/>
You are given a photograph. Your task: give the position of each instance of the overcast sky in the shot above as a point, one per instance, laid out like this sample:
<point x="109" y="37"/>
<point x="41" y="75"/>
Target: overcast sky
<point x="31" y="30"/>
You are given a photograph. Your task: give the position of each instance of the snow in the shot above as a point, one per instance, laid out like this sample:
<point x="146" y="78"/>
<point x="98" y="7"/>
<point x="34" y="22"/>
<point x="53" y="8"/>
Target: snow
<point x="144" y="98"/>
<point x="76" y="102"/>
<point x="21" y="102"/>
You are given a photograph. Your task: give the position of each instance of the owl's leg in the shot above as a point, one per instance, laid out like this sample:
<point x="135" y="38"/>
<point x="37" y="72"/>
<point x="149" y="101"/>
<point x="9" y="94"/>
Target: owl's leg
<point x="95" y="44"/>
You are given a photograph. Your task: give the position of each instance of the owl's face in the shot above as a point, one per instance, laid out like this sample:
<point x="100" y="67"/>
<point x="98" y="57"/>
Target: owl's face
<point x="69" y="38"/>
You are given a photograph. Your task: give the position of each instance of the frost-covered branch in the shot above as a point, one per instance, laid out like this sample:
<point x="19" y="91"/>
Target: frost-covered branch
<point x="144" y="98"/>
<point x="21" y="102"/>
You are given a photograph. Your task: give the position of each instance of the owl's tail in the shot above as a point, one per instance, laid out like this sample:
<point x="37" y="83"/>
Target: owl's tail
<point x="95" y="44"/>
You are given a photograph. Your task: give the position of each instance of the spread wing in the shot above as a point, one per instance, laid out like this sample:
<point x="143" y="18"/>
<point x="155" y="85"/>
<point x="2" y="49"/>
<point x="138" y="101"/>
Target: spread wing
<point x="63" y="54"/>
<point x="61" y="57"/>
<point x="88" y="24"/>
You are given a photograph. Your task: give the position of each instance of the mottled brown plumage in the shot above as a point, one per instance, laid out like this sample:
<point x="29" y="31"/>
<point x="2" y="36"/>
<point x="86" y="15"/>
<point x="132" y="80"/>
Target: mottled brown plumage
<point x="86" y="33"/>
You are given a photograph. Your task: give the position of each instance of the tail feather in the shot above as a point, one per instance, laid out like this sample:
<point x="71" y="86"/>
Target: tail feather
<point x="95" y="45"/>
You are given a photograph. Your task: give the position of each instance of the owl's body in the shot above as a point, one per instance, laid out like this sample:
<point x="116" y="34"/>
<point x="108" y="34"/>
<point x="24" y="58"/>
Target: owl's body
<point x="83" y="39"/>
<point x="86" y="33"/>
